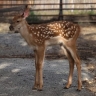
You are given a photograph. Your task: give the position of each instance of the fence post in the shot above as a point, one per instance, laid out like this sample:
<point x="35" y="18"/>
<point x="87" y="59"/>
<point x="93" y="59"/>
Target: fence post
<point x="60" y="11"/>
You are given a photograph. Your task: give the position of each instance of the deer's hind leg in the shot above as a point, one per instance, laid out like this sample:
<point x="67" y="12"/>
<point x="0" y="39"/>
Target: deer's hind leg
<point x="71" y="67"/>
<point x="76" y="59"/>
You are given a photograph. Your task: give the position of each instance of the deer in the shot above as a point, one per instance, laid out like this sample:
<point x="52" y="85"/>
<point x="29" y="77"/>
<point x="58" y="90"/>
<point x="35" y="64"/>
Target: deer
<point x="39" y="36"/>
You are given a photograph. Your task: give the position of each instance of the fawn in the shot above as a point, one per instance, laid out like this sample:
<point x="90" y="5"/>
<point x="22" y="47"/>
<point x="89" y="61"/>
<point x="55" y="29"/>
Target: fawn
<point x="40" y="36"/>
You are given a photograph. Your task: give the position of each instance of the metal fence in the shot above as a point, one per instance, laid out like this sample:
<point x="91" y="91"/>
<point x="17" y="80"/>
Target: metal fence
<point x="49" y="10"/>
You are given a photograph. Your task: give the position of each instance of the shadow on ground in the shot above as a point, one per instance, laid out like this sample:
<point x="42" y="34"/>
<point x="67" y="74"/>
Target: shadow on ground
<point x="17" y="78"/>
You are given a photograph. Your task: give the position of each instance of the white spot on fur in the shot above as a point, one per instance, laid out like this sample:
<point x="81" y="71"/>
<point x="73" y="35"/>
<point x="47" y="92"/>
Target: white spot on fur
<point x="34" y="33"/>
<point x="63" y="26"/>
<point x="67" y="35"/>
<point x="36" y="27"/>
<point x="59" y="34"/>
<point x="31" y="35"/>
<point x="69" y="32"/>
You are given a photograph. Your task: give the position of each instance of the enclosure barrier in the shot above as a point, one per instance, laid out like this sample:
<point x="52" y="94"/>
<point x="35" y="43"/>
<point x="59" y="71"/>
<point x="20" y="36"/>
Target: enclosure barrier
<point x="44" y="11"/>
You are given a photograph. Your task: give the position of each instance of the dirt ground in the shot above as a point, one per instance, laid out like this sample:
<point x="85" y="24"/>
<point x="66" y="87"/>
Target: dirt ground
<point x="86" y="44"/>
<point x="87" y="47"/>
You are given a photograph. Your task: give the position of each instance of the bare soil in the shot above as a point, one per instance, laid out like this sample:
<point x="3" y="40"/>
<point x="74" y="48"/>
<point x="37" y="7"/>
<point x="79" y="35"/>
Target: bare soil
<point x="86" y="45"/>
<point x="87" y="51"/>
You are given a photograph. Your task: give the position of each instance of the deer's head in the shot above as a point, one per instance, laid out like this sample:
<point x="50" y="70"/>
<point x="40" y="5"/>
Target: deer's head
<point x="17" y="20"/>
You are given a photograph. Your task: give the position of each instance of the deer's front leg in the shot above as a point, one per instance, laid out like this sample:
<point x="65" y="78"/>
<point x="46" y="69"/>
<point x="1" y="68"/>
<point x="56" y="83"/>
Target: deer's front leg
<point x="39" y="68"/>
<point x="35" y="87"/>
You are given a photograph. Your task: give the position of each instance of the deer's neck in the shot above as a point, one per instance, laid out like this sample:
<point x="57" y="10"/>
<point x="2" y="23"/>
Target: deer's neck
<point x="24" y="28"/>
<point x="24" y="31"/>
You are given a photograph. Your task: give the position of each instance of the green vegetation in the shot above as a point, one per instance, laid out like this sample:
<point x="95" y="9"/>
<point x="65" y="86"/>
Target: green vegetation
<point x="82" y="12"/>
<point x="32" y="17"/>
<point x="35" y="15"/>
<point x="65" y="12"/>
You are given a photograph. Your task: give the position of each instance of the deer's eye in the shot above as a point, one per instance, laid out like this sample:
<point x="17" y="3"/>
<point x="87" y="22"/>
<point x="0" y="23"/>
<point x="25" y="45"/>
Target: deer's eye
<point x="18" y="21"/>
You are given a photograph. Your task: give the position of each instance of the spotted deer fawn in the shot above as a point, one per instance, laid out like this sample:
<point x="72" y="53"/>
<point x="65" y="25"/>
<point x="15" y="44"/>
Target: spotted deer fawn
<point x="42" y="35"/>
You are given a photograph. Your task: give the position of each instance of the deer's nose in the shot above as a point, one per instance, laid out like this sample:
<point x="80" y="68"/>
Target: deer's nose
<point x="11" y="28"/>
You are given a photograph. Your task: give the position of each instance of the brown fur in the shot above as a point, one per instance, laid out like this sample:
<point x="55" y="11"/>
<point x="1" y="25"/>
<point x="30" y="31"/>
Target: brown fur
<point x="40" y="36"/>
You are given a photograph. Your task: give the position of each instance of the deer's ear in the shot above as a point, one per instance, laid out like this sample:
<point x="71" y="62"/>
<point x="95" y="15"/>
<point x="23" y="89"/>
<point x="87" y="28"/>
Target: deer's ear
<point x="26" y="12"/>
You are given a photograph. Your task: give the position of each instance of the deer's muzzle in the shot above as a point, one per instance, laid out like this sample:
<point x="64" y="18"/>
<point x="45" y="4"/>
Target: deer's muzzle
<point x="11" y="28"/>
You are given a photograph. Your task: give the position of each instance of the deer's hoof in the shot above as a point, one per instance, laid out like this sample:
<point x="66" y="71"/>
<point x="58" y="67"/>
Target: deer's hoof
<point x="34" y="89"/>
<point x="40" y="89"/>
<point x="66" y="87"/>
<point x="78" y="90"/>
